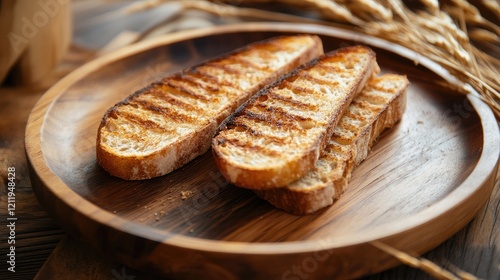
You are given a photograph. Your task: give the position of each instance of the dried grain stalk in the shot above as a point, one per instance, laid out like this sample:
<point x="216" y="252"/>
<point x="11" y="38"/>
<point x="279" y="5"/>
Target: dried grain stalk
<point x="438" y="31"/>
<point x="423" y="264"/>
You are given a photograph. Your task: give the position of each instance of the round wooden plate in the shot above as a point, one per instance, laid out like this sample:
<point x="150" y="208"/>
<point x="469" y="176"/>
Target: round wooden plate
<point x="424" y="180"/>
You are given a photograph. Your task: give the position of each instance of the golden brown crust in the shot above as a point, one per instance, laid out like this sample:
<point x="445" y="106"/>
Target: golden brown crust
<point x="156" y="164"/>
<point x="323" y="191"/>
<point x="297" y="203"/>
<point x="199" y="84"/>
<point x="268" y="176"/>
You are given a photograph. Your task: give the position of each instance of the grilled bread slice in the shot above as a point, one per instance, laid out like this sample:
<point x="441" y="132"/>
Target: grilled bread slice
<point x="277" y="136"/>
<point x="379" y="106"/>
<point x="165" y="125"/>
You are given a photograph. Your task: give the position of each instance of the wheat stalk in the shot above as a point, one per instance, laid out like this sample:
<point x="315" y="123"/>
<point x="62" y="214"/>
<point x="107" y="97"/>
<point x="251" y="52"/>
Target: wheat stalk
<point x="493" y="5"/>
<point x="440" y="33"/>
<point x="423" y="264"/>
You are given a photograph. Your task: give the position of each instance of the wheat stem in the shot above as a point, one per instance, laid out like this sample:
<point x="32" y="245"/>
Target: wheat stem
<point x="431" y="32"/>
<point x="421" y="263"/>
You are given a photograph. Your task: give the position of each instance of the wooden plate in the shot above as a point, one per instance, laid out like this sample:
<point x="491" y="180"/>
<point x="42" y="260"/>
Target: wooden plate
<point x="423" y="181"/>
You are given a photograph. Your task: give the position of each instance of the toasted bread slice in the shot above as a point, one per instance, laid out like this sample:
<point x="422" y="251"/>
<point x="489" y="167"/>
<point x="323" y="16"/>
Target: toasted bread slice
<point x="278" y="135"/>
<point x="379" y="106"/>
<point x="165" y="125"/>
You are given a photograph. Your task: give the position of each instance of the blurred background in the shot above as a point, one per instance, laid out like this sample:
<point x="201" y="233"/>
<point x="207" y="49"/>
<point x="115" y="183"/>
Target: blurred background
<point x="463" y="36"/>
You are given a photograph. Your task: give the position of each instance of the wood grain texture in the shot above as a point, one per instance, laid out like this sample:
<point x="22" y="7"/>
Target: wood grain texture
<point x="416" y="167"/>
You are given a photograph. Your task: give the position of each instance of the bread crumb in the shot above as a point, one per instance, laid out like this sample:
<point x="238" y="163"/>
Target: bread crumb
<point x="186" y="194"/>
<point x="114" y="211"/>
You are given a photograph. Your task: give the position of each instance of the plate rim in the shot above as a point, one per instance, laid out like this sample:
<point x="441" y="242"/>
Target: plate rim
<point x="481" y="174"/>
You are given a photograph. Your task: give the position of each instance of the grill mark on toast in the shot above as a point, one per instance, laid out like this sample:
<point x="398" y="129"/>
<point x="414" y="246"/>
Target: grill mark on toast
<point x="250" y="124"/>
<point x="209" y="79"/>
<point x="226" y="68"/>
<point x="281" y="112"/>
<point x="361" y="104"/>
<point x="252" y="132"/>
<point x="146" y="124"/>
<point x="352" y="113"/>
<point x="300" y="90"/>
<point x="196" y="82"/>
<point x="344" y="128"/>
<point x="247" y="145"/>
<point x="269" y="138"/>
<point x="329" y="67"/>
<point x="248" y="63"/>
<point x="353" y="117"/>
<point x="212" y="86"/>
<point x="269" y="120"/>
<point x="176" y="88"/>
<point x="373" y="99"/>
<point x="381" y="88"/>
<point x="219" y="87"/>
<point x="292" y="102"/>
<point x="168" y="98"/>
<point x="316" y="80"/>
<point x="167" y="112"/>
<point x="223" y="82"/>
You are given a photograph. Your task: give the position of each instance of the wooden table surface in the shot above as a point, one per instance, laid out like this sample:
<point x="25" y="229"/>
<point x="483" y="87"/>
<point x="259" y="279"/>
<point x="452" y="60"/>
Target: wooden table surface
<point x="44" y="251"/>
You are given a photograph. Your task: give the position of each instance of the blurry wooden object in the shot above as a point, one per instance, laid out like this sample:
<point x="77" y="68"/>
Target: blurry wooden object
<point x="37" y="35"/>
